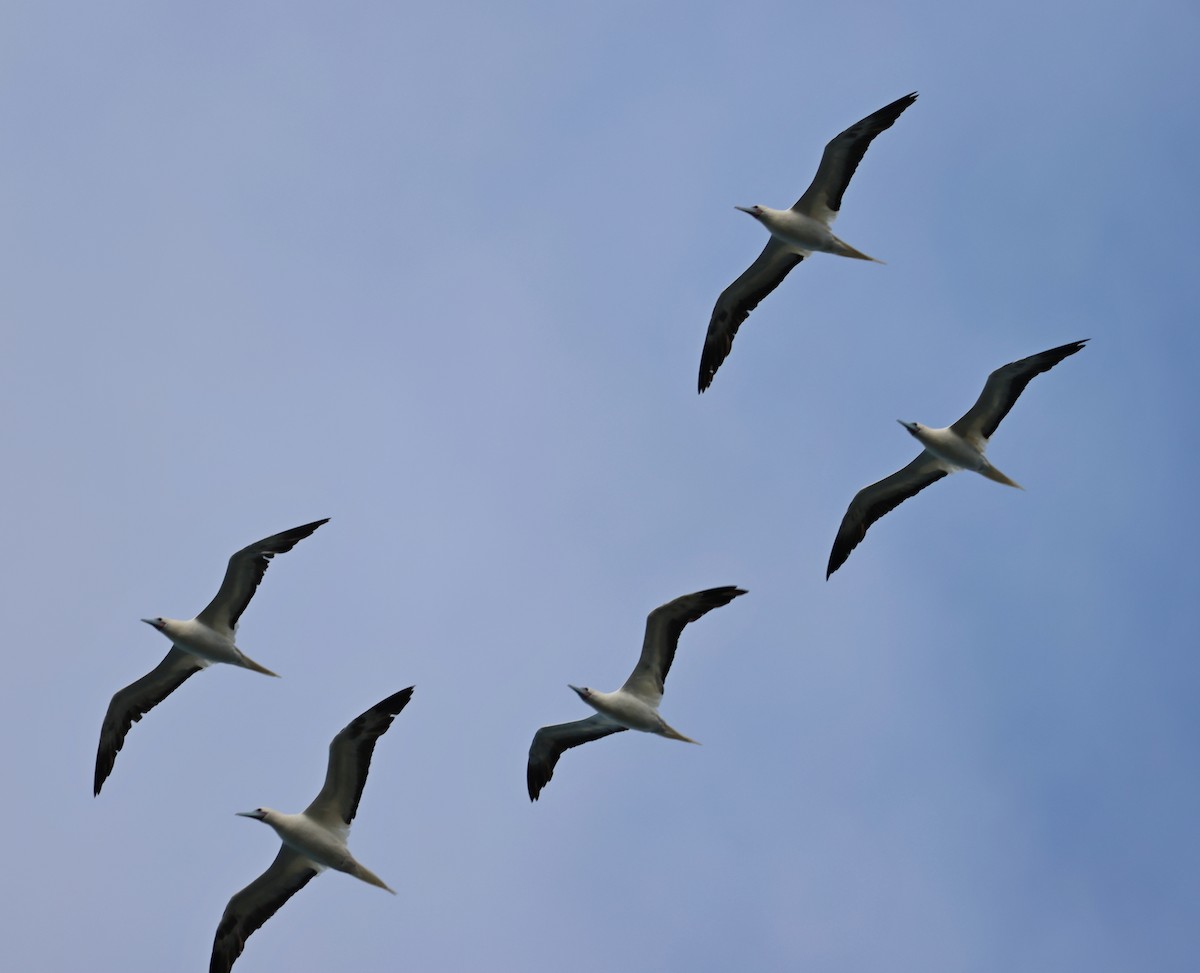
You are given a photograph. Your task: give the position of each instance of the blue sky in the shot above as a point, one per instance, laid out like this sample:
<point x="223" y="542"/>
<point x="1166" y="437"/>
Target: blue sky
<point x="443" y="275"/>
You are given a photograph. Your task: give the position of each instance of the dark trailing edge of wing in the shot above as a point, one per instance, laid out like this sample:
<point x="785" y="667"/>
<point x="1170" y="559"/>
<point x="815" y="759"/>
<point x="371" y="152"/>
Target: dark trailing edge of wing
<point x="857" y="139"/>
<point x="233" y="931"/>
<point x="364" y="732"/>
<point x="255" y="558"/>
<point x="550" y="742"/>
<point x="1019" y="374"/>
<point x="732" y="308"/>
<point x="121" y="716"/>
<point x="858" y="520"/>
<point x="675" y="621"/>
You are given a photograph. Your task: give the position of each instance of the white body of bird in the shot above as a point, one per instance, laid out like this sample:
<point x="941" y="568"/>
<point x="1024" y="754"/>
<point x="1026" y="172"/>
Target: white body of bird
<point x="204" y="642"/>
<point x="957" y="452"/>
<point x="802" y="233"/>
<point x="631" y="711"/>
<point x="320" y="844"/>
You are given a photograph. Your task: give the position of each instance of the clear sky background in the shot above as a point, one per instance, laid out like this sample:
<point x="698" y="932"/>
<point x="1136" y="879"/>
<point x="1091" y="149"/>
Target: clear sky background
<point x="443" y="273"/>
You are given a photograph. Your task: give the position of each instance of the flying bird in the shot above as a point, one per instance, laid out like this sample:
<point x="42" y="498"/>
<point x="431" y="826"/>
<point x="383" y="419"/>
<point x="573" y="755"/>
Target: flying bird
<point x="795" y="233"/>
<point x="195" y="644"/>
<point x="959" y="446"/>
<point x="635" y="705"/>
<point x="314" y="839"/>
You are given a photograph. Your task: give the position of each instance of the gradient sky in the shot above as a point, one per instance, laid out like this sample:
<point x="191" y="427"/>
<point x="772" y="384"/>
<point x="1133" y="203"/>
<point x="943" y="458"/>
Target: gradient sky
<point x="443" y="274"/>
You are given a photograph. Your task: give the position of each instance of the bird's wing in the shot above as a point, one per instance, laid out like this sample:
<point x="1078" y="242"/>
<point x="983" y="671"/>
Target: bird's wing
<point x="550" y="741"/>
<point x="242" y="577"/>
<point x="1003" y="387"/>
<point x="663" y="628"/>
<point x="256" y="903"/>
<point x="130" y="704"/>
<point x="823" y="198"/>
<point x="872" y="502"/>
<point x="738" y="300"/>
<point x="350" y="759"/>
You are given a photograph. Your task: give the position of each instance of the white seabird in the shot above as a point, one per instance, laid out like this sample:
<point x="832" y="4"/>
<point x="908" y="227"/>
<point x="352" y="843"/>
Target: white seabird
<point x="195" y="644"/>
<point x="635" y="705"/>
<point x="314" y="839"/>
<point x="795" y="233"/>
<point x="959" y="446"/>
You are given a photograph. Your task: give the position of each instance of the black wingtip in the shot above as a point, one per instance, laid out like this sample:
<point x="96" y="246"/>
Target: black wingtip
<point x="1043" y="361"/>
<point x="534" y="782"/>
<point x="294" y="536"/>
<point x="839" y="555"/>
<point x="395" y="702"/>
<point x="104" y="768"/>
<point x="887" y="115"/>
<point x="714" y="352"/>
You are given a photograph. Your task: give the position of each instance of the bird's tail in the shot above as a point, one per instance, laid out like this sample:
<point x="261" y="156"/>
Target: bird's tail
<point x="671" y="733"/>
<point x="845" y="250"/>
<point x="994" y="474"/>
<point x="248" y="663"/>
<point x="370" y="878"/>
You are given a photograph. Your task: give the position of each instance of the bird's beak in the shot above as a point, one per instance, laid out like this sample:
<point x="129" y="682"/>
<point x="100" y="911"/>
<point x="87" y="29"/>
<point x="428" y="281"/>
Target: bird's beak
<point x="910" y="426"/>
<point x="150" y="622"/>
<point x="257" y="815"/>
<point x="577" y="690"/>
<point x="745" y="210"/>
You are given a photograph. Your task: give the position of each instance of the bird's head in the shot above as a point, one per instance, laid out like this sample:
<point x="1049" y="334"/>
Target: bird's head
<point x="158" y="623"/>
<point x="583" y="691"/>
<point x="259" y="813"/>
<point x="755" y="211"/>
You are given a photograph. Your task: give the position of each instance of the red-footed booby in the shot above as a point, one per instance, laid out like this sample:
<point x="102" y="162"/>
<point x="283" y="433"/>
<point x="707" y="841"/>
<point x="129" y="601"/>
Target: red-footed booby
<point x="795" y="233"/>
<point x="959" y="446"/>
<point x="635" y="705"/>
<point x="195" y="644"/>
<point x="314" y="839"/>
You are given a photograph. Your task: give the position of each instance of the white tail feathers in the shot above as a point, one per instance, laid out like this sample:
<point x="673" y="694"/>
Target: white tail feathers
<point x="371" y="878"/>
<point x="673" y="734"/>
<point x="248" y="663"/>
<point x="845" y="250"/>
<point x="994" y="474"/>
